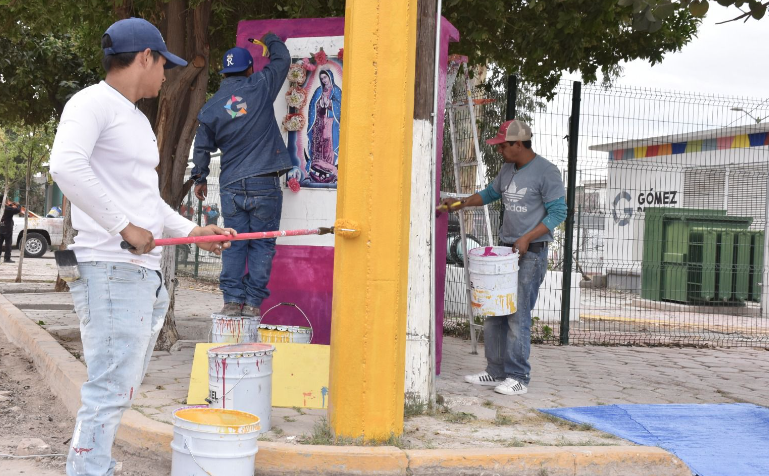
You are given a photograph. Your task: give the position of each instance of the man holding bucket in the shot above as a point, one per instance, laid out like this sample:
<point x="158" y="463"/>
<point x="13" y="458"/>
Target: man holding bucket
<point x="104" y="159"/>
<point x="532" y="191"/>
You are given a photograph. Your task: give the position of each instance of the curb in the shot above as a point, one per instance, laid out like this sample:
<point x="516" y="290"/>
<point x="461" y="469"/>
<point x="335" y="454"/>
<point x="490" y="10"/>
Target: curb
<point x="65" y="374"/>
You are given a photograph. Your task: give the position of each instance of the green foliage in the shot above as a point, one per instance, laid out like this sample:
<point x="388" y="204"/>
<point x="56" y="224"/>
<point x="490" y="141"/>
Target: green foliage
<point x="540" y="333"/>
<point x="40" y="73"/>
<point x="539" y="39"/>
<point x="648" y="15"/>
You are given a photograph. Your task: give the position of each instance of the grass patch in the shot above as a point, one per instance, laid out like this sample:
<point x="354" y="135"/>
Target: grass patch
<point x="514" y="443"/>
<point x="289" y="419"/>
<point x="278" y="431"/>
<point x="458" y="417"/>
<point x="322" y="435"/>
<point x="299" y="410"/>
<point x="488" y="404"/>
<point x="565" y="423"/>
<point x="502" y="420"/>
<point x="413" y="407"/>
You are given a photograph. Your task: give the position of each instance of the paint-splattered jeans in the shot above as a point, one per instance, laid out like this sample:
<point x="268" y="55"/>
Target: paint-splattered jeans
<point x="508" y="338"/>
<point x="121" y="308"/>
<point x="250" y="205"/>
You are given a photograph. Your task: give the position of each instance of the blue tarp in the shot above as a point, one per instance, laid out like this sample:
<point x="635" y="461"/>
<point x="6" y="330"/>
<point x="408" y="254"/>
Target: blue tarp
<point x="713" y="439"/>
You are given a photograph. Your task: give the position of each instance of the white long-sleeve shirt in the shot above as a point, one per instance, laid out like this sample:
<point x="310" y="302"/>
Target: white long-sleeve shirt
<point x="104" y="159"/>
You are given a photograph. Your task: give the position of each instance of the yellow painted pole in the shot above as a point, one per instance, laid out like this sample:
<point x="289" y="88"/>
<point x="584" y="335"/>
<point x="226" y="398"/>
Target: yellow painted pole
<point x="368" y="330"/>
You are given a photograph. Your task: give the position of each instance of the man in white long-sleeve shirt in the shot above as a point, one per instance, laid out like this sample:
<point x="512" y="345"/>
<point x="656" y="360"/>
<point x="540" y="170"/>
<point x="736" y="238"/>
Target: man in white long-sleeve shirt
<point x="104" y="160"/>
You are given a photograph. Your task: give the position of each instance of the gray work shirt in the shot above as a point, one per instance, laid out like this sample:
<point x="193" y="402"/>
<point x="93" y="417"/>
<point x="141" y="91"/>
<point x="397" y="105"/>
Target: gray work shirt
<point x="524" y="193"/>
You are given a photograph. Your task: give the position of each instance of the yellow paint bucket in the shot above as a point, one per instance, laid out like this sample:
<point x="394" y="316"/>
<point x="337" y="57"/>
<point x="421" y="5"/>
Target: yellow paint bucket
<point x="214" y="442"/>
<point x="274" y="333"/>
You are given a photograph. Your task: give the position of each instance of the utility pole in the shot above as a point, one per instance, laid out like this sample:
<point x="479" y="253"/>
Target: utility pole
<point x="368" y="332"/>
<point x="420" y="318"/>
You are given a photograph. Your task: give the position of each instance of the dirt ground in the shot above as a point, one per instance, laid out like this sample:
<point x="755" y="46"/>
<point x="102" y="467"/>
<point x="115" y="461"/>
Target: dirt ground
<point x="30" y="410"/>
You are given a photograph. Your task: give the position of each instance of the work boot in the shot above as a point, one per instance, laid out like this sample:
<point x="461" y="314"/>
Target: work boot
<point x="250" y="311"/>
<point x="9" y="261"/>
<point x="230" y="309"/>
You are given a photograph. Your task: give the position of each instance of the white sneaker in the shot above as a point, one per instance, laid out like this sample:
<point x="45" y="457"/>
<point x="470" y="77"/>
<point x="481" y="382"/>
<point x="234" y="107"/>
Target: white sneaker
<point x="482" y="378"/>
<point x="511" y="387"/>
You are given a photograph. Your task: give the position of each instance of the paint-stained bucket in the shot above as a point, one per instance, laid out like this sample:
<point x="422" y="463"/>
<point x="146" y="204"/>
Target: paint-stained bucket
<point x="275" y="333"/>
<point x="233" y="330"/>
<point x="493" y="280"/>
<point x="269" y="333"/>
<point x="240" y="378"/>
<point x="213" y="442"/>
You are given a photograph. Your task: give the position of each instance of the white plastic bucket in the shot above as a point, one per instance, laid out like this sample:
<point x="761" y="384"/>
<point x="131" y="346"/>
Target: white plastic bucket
<point x="274" y="333"/>
<point x="493" y="280"/>
<point x="233" y="330"/>
<point x="240" y="378"/>
<point x="213" y="442"/>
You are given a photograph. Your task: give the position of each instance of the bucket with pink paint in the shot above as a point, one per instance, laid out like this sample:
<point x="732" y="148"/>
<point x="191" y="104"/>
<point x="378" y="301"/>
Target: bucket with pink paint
<point x="233" y="330"/>
<point x="213" y="442"/>
<point x="493" y="280"/>
<point x="240" y="378"/>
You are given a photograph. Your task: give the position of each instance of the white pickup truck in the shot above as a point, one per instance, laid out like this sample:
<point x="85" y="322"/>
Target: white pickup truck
<point x="42" y="233"/>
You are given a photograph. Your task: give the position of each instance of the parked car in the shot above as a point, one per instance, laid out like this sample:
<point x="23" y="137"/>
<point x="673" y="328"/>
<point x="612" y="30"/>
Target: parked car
<point x="42" y="233"/>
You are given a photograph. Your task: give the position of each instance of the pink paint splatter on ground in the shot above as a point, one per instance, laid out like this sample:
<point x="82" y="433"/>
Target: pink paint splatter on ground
<point x="488" y="252"/>
<point x="80" y="451"/>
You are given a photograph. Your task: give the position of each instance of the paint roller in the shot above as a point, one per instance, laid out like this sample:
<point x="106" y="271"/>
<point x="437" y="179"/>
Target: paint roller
<point x="343" y="228"/>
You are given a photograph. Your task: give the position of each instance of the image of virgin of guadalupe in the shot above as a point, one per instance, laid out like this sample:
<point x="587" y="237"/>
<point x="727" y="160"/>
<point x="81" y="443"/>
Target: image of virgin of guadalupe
<point x="324" y="113"/>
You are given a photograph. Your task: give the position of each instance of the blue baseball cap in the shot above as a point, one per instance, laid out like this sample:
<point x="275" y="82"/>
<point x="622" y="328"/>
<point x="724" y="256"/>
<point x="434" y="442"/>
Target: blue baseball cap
<point x="236" y="60"/>
<point x="136" y="34"/>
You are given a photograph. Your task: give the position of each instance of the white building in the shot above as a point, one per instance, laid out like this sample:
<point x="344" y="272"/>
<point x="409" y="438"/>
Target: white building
<point x="718" y="169"/>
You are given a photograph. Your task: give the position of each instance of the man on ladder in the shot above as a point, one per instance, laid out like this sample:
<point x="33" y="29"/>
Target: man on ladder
<point x="533" y="195"/>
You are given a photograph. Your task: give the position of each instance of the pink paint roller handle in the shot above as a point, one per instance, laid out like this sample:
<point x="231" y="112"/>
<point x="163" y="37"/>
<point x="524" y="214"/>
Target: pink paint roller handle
<point x="241" y="236"/>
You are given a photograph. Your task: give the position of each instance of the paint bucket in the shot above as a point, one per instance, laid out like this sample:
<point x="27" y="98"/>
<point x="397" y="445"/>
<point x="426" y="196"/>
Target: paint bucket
<point x="240" y="378"/>
<point x="274" y="333"/>
<point x="233" y="330"/>
<point x="269" y="333"/>
<point x="493" y="280"/>
<point x="213" y="442"/>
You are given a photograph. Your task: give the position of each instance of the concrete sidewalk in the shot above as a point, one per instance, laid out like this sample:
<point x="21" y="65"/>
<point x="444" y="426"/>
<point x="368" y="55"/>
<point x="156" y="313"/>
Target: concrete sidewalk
<point x="481" y="429"/>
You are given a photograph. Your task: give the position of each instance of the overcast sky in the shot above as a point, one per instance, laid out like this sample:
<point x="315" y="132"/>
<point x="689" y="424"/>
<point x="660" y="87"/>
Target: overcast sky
<point x="730" y="59"/>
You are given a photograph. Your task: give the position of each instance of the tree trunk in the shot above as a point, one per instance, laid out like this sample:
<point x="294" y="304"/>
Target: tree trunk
<point x="5" y="197"/>
<point x="23" y="243"/>
<point x="68" y="237"/>
<point x="182" y="97"/>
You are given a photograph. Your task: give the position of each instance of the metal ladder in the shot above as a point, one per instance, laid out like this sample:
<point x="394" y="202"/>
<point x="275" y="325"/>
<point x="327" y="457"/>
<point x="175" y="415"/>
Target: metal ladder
<point x="456" y="63"/>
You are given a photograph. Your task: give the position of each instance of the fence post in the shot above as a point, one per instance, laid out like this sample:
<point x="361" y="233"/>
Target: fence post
<point x="197" y="250"/>
<point x="570" y="196"/>
<point x="512" y="96"/>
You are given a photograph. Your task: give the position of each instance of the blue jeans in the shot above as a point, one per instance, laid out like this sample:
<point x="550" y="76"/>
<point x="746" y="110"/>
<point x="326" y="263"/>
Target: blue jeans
<point x="250" y="205"/>
<point x="508" y="338"/>
<point x="121" y="308"/>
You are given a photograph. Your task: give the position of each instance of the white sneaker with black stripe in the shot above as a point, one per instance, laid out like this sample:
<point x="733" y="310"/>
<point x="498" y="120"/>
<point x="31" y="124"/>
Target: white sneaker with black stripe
<point x="482" y="378"/>
<point x="511" y="387"/>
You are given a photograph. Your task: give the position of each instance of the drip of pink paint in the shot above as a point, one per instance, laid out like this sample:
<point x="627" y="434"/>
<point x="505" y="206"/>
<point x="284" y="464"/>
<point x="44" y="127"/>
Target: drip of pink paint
<point x="488" y="252"/>
<point x="80" y="451"/>
<point x="132" y="394"/>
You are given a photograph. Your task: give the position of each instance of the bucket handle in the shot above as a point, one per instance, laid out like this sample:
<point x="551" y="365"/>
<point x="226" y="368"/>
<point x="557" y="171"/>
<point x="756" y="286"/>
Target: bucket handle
<point x="245" y="372"/>
<point x="187" y="446"/>
<point x="291" y="304"/>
